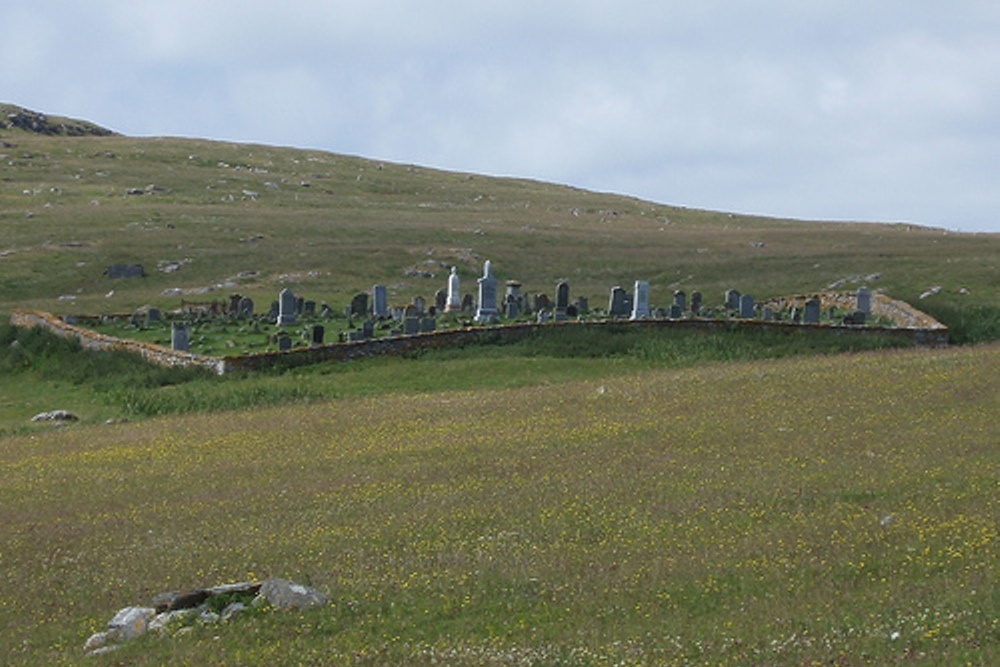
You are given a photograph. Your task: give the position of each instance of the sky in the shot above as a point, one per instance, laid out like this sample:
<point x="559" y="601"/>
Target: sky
<point x="855" y="110"/>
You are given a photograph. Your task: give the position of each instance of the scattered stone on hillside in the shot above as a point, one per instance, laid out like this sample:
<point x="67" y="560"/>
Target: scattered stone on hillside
<point x="284" y="594"/>
<point x="176" y="611"/>
<point x="116" y="271"/>
<point x="931" y="292"/>
<point x="39" y="123"/>
<point x="55" y="416"/>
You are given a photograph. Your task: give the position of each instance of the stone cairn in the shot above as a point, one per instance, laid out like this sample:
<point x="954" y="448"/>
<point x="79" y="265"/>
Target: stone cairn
<point x="177" y="612"/>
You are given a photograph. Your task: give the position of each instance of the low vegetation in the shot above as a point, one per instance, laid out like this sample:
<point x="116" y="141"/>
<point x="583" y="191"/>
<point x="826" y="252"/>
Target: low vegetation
<point x="810" y="510"/>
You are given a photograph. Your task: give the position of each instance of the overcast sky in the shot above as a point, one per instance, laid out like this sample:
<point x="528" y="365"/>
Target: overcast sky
<point x="881" y="110"/>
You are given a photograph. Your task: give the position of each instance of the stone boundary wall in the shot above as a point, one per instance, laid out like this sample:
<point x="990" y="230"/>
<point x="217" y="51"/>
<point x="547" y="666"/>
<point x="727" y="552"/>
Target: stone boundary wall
<point x="91" y="340"/>
<point x="912" y="325"/>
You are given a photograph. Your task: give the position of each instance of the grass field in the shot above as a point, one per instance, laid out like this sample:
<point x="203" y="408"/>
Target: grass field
<point x="572" y="499"/>
<point x="832" y="510"/>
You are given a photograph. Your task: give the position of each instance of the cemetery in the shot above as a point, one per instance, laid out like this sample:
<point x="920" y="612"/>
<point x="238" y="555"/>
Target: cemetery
<point x="236" y="335"/>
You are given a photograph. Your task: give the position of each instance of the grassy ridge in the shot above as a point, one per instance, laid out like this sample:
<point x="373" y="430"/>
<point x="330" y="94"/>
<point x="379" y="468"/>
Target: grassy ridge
<point x="331" y="225"/>
<point x="720" y="514"/>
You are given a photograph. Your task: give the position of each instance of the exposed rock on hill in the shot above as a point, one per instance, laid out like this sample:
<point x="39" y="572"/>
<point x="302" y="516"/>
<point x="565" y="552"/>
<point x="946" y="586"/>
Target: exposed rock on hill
<point x="14" y="117"/>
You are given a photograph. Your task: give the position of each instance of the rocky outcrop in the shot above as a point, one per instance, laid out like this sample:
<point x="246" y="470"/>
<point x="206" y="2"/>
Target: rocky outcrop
<point x="12" y="117"/>
<point x="177" y="612"/>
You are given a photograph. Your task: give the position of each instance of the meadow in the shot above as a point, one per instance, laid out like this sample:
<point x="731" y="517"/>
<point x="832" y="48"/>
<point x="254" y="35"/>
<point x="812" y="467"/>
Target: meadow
<point x="810" y="510"/>
<point x="572" y="499"/>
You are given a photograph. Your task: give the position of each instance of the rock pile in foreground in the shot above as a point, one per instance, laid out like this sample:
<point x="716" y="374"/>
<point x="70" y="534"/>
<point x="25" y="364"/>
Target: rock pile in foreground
<point x="179" y="611"/>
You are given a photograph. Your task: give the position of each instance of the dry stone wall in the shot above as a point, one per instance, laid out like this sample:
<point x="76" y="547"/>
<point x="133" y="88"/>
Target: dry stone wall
<point x="910" y="324"/>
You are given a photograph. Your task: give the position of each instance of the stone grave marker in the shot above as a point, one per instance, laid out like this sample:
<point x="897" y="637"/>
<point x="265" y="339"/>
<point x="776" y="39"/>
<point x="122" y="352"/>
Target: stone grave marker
<point x="179" y="336"/>
<point x="863" y="301"/>
<point x="286" y="308"/>
<point x="359" y="304"/>
<point x="680" y="299"/>
<point x="640" y="302"/>
<point x="468" y="304"/>
<point x="411" y="326"/>
<point x="234" y="303"/>
<point x="284" y="342"/>
<point x="317" y="334"/>
<point x="676" y="311"/>
<point x="380" y="301"/>
<point x="454" y="302"/>
<point x="811" y="314"/>
<point x="420" y="304"/>
<point x="487" y="309"/>
<point x="153" y="315"/>
<point x="695" y="303"/>
<point x="732" y="300"/>
<point x="368" y="328"/>
<point x="440" y="301"/>
<point x="246" y="307"/>
<point x="562" y="296"/>
<point x="746" y="306"/>
<point x="427" y="324"/>
<point x="617" y="304"/>
<point x="308" y="307"/>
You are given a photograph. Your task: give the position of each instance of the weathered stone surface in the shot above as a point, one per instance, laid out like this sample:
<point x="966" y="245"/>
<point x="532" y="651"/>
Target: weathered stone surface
<point x="131" y="622"/>
<point x="284" y="594"/>
<point x="55" y="416"/>
<point x="96" y="641"/>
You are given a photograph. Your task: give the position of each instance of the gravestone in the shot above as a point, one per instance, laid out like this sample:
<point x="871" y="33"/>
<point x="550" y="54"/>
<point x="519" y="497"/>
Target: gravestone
<point x="284" y="342"/>
<point x="411" y="326"/>
<point x="562" y="296"/>
<point x="427" y="324"/>
<point x="617" y="304"/>
<point x="468" y="304"/>
<point x="542" y="302"/>
<point x="317" y="334"/>
<point x="640" y="302"/>
<point x="420" y="304"/>
<point x="676" y="312"/>
<point x="768" y="314"/>
<point x="487" y="309"/>
<point x="246" y="307"/>
<point x="864" y="301"/>
<point x="582" y="304"/>
<point x="153" y="315"/>
<point x="746" y="306"/>
<point x="179" y="337"/>
<point x="732" y="300"/>
<point x="308" y="307"/>
<point x="440" y="301"/>
<point x="380" y="301"/>
<point x="286" y="308"/>
<point x="359" y="304"/>
<point x="572" y="310"/>
<point x="234" y="303"/>
<point x="272" y="314"/>
<point x="511" y="308"/>
<point x="300" y="305"/>
<point x="695" y="303"/>
<point x="454" y="296"/>
<point x="680" y="299"/>
<point x="368" y="328"/>
<point x="811" y="314"/>
<point x="795" y="315"/>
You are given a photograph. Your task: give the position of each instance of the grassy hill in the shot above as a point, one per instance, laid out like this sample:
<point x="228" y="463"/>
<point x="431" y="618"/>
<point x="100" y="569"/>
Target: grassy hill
<point x="571" y="499"/>
<point x="207" y="218"/>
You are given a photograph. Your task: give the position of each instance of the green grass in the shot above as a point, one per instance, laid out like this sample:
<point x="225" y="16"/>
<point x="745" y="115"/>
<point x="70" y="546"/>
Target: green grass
<point x="811" y="510"/>
<point x="35" y="361"/>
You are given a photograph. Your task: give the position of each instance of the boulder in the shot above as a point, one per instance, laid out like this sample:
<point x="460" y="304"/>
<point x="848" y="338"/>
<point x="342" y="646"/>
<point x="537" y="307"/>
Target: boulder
<point x="131" y="622"/>
<point x="55" y="416"/>
<point x="284" y="594"/>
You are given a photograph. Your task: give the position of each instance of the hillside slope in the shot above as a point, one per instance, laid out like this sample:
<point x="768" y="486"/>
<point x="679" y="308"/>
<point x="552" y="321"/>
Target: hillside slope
<point x="206" y="219"/>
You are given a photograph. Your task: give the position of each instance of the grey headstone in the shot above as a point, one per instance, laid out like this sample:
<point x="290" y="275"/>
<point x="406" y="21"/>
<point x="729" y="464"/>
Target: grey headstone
<point x="864" y="301"/>
<point x="562" y="296"/>
<point x="420" y="304"/>
<point x="427" y="324"/>
<point x="582" y="304"/>
<point x="732" y="300"/>
<point x="617" y="304"/>
<point x="680" y="299"/>
<point x="153" y="315"/>
<point x="746" y="306"/>
<point x="284" y="343"/>
<point x="676" y="312"/>
<point x="246" y="307"/>
<point x="179" y="337"/>
<point x="359" y="304"/>
<point x="811" y="314"/>
<point x="768" y="314"/>
<point x="234" y="303"/>
<point x="440" y="300"/>
<point x="309" y="308"/>
<point x="640" y="302"/>
<point x="368" y="328"/>
<point x="695" y="302"/>
<point x="487" y="309"/>
<point x="468" y="303"/>
<point x="411" y="326"/>
<point x="380" y="301"/>
<point x="286" y="307"/>
<point x="317" y="334"/>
